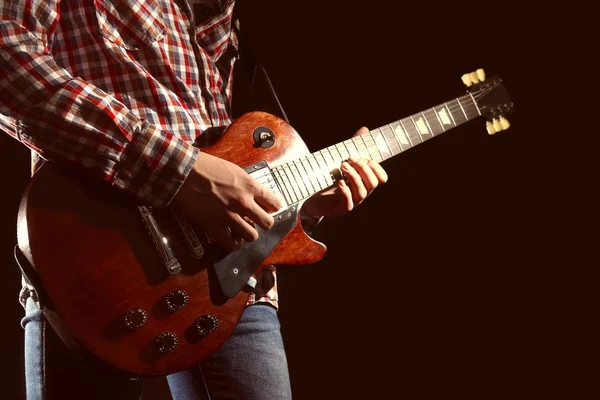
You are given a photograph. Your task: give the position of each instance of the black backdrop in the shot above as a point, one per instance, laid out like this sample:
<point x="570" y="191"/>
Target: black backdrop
<point x="455" y="277"/>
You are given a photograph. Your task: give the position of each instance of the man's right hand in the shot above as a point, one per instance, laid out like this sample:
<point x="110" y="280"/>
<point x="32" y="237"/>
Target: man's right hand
<point x="218" y="195"/>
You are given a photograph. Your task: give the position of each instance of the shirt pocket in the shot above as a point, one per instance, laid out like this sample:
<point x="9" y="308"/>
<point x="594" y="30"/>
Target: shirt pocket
<point x="132" y="24"/>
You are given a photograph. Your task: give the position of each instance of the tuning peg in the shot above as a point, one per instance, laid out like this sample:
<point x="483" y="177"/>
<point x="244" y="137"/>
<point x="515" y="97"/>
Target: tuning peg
<point x="481" y="74"/>
<point x="466" y="78"/>
<point x="490" y="128"/>
<point x="497" y="125"/>
<point x="474" y="77"/>
<point x="504" y="123"/>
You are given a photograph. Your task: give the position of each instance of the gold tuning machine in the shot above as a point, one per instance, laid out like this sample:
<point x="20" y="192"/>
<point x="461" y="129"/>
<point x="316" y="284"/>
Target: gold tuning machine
<point x="497" y="125"/>
<point x="473" y="77"/>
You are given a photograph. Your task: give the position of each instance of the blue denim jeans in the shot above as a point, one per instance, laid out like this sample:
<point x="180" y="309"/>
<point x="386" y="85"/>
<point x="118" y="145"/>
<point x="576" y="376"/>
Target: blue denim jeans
<point x="251" y="365"/>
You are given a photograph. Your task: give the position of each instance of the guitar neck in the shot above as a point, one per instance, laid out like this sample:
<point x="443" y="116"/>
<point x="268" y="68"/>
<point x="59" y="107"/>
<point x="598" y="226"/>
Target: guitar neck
<point x="305" y="176"/>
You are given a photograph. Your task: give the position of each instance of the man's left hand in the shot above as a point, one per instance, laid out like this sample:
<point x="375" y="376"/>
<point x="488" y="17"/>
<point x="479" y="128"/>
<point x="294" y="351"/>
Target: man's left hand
<point x="362" y="176"/>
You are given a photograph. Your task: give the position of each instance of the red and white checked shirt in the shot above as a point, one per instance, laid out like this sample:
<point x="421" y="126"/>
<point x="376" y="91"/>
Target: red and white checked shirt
<point x="121" y="88"/>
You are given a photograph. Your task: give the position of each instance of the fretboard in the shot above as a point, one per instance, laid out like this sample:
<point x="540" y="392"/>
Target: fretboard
<point x="305" y="176"/>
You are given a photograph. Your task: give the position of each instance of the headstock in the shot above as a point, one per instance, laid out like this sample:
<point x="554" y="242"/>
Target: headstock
<point x="491" y="97"/>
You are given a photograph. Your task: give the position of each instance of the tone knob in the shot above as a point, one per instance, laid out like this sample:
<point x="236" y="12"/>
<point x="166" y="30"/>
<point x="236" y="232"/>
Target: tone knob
<point x="135" y="319"/>
<point x="177" y="299"/>
<point x="166" y="342"/>
<point x="206" y="324"/>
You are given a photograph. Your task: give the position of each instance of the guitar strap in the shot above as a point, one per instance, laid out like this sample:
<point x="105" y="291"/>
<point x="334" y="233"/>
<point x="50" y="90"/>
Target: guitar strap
<point x="253" y="89"/>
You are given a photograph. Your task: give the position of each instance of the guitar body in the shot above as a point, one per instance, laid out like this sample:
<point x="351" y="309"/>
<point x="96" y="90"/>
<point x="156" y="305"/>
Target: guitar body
<point x="97" y="261"/>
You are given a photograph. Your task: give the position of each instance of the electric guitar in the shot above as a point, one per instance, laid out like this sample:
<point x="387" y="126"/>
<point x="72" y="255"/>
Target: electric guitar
<point x="141" y="290"/>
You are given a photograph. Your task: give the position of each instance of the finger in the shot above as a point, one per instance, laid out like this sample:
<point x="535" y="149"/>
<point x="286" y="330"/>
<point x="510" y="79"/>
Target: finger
<point x="379" y="172"/>
<point x="222" y="237"/>
<point x="361" y="131"/>
<point x="258" y="215"/>
<point x="267" y="199"/>
<point x="366" y="173"/>
<point x="346" y="204"/>
<point x="359" y="192"/>
<point x="241" y="228"/>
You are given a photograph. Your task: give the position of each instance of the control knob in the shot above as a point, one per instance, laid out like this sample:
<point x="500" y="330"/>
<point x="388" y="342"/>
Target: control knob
<point x="166" y="342"/>
<point x="135" y="319"/>
<point x="176" y="299"/>
<point x="206" y="324"/>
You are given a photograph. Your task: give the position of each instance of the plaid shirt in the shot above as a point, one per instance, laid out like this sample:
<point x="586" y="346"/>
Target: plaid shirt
<point x="121" y="88"/>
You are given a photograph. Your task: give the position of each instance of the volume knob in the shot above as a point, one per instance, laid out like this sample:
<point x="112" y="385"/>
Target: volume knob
<point x="206" y="324"/>
<point x="166" y="342"/>
<point x="135" y="319"/>
<point x="177" y="299"/>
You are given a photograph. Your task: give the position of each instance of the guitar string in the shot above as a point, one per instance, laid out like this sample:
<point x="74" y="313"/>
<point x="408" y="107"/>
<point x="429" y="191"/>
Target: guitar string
<point x="338" y="156"/>
<point x="167" y="218"/>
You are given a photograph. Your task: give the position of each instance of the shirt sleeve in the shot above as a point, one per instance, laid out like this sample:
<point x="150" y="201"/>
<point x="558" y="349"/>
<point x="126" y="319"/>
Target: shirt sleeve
<point x="71" y="121"/>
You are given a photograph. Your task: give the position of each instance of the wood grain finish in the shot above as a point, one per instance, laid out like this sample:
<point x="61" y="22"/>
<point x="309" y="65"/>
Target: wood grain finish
<point x="97" y="261"/>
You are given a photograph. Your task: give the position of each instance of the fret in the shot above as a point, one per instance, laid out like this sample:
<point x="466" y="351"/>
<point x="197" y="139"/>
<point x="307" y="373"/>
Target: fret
<point x="427" y="123"/>
<point x="361" y="146"/>
<point x="457" y="113"/>
<point x="293" y="181"/>
<point x="392" y="139"/>
<point x="315" y="173"/>
<point x="310" y="173"/>
<point x="446" y="116"/>
<point x="342" y="152"/>
<point x="413" y="132"/>
<point x="469" y="107"/>
<point x="387" y="135"/>
<point x="304" y="191"/>
<point x="288" y="185"/>
<point x="374" y="148"/>
<point x="310" y="188"/>
<point x="402" y="137"/>
<point x="350" y="143"/>
<point x="320" y="172"/>
<point x="323" y="166"/>
<point x="345" y="143"/>
<point x="382" y="146"/>
<point x="336" y="153"/>
<point x="463" y="110"/>
<point x="329" y="158"/>
<point x="439" y="121"/>
<point x="367" y="152"/>
<point x="433" y="122"/>
<point x="367" y="140"/>
<point x="281" y="185"/>
<point x="378" y="155"/>
<point x="475" y="103"/>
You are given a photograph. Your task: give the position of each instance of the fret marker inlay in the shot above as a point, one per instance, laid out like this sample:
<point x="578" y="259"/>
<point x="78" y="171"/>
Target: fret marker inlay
<point x="400" y="133"/>
<point x="422" y="127"/>
<point x="444" y="117"/>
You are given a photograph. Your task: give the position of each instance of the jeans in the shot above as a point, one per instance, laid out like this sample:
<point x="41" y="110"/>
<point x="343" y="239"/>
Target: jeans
<point x="251" y="365"/>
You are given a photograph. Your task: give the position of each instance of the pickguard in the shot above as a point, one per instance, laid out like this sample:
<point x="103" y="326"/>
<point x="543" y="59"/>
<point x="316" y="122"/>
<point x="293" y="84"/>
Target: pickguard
<point x="235" y="269"/>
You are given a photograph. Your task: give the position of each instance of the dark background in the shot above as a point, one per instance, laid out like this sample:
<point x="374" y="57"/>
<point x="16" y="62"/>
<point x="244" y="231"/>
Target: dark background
<point x="460" y="276"/>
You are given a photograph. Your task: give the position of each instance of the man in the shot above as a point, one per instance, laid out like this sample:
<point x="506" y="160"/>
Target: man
<point x="127" y="90"/>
